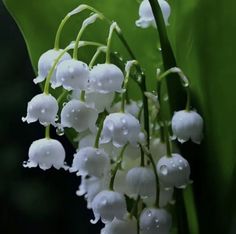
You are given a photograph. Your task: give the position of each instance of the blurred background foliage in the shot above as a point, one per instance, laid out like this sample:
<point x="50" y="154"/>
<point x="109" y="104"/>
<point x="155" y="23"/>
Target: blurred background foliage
<point x="203" y="37"/>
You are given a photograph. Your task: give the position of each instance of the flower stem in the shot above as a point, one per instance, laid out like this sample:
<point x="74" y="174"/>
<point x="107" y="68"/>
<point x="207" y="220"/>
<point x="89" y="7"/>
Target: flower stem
<point x="96" y="144"/>
<point x="47" y="132"/>
<point x="113" y="28"/>
<point x="75" y="52"/>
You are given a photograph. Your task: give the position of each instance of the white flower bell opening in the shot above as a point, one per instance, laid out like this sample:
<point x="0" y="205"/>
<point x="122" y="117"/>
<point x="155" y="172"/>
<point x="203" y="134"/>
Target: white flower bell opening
<point x="146" y="15"/>
<point x="91" y="161"/>
<point x="43" y="108"/>
<point x="141" y="181"/>
<point x="78" y="115"/>
<point x="153" y="221"/>
<point x="187" y="125"/>
<point x="121" y="128"/>
<point x="173" y="171"/>
<point x="120" y="227"/>
<point x="106" y="78"/>
<point x="73" y="75"/>
<point x="46" y="153"/>
<point x="46" y="62"/>
<point x="108" y="205"/>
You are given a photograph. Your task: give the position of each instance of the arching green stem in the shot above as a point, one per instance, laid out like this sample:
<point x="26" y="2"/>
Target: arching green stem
<point x="96" y="143"/>
<point x="47" y="132"/>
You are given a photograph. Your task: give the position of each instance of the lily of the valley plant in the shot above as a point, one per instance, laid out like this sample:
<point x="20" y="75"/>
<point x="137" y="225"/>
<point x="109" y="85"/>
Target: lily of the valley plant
<point x="125" y="155"/>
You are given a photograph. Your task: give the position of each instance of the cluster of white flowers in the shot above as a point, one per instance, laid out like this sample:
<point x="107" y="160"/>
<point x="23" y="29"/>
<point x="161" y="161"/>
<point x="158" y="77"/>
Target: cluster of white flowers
<point x="116" y="156"/>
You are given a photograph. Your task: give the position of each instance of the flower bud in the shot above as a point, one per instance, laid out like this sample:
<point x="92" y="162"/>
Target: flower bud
<point x="146" y="15"/>
<point x="106" y="78"/>
<point x="187" y="125"/>
<point x="173" y="171"/>
<point x="73" y="75"/>
<point x="91" y="161"/>
<point x="42" y="107"/>
<point x="153" y="221"/>
<point x="141" y="181"/>
<point x="46" y="153"/>
<point x="121" y="128"/>
<point x="46" y="62"/>
<point x="78" y="115"/>
<point x="108" y="205"/>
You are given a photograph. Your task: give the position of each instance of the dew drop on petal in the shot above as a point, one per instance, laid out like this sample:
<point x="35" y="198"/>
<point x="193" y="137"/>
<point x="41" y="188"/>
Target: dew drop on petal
<point x="164" y="170"/>
<point x="60" y="131"/>
<point x="149" y="213"/>
<point x="43" y="111"/>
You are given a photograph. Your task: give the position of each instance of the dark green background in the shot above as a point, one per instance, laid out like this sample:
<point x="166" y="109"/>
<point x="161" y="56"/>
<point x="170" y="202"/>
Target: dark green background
<point x="203" y="35"/>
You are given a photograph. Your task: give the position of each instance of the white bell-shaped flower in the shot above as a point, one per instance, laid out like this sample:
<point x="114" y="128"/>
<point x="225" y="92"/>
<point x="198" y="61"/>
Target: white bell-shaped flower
<point x="141" y="181"/>
<point x="106" y="78"/>
<point x="90" y="186"/>
<point x="91" y="161"/>
<point x="78" y="115"/>
<point x="86" y="140"/>
<point x="46" y="153"/>
<point x="146" y="15"/>
<point x="187" y="125"/>
<point x="121" y="128"/>
<point x="100" y="101"/>
<point x="73" y="75"/>
<point x="46" y="62"/>
<point x="157" y="148"/>
<point x="43" y="108"/>
<point x="117" y="226"/>
<point x="132" y="107"/>
<point x="173" y="171"/>
<point x="108" y="205"/>
<point x="155" y="221"/>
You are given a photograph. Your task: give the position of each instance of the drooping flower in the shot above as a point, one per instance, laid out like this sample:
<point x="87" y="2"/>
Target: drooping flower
<point x="106" y="78"/>
<point x="73" y="75"/>
<point x="141" y="181"/>
<point x="121" y="128"/>
<point x="153" y="221"/>
<point x="46" y="62"/>
<point x="46" y="153"/>
<point x="108" y="205"/>
<point x="78" y="115"/>
<point x="90" y="186"/>
<point x="146" y="15"/>
<point x="117" y="226"/>
<point x="43" y="108"/>
<point x="91" y="161"/>
<point x="173" y="171"/>
<point x="187" y="125"/>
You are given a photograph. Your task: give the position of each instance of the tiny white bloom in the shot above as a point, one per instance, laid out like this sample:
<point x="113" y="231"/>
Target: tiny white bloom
<point x="91" y="161"/>
<point x="153" y="221"/>
<point x="108" y="205"/>
<point x="173" y="171"/>
<point x="73" y="75"/>
<point x="106" y="78"/>
<point x="121" y="128"/>
<point x="141" y="181"/>
<point x="133" y="108"/>
<point x="117" y="226"/>
<point x="46" y="62"/>
<point x="42" y="107"/>
<point x="100" y="101"/>
<point x="146" y="16"/>
<point x="90" y="186"/>
<point x="46" y="153"/>
<point x="78" y="115"/>
<point x="187" y="125"/>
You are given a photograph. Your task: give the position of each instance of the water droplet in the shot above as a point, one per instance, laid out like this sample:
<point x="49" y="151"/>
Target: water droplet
<point x="64" y="103"/>
<point x="43" y="111"/>
<point x="60" y="131"/>
<point x="125" y="131"/>
<point x="166" y="98"/>
<point x="123" y="121"/>
<point x="71" y="69"/>
<point x="156" y="220"/>
<point x="180" y="168"/>
<point x="99" y="84"/>
<point x="73" y="110"/>
<point x="180" y="161"/>
<point x="104" y="202"/>
<point x="173" y="165"/>
<point x="149" y="213"/>
<point x="164" y="170"/>
<point x="25" y="163"/>
<point x="110" y="125"/>
<point x="56" y="118"/>
<point x="86" y="159"/>
<point x="98" y="152"/>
